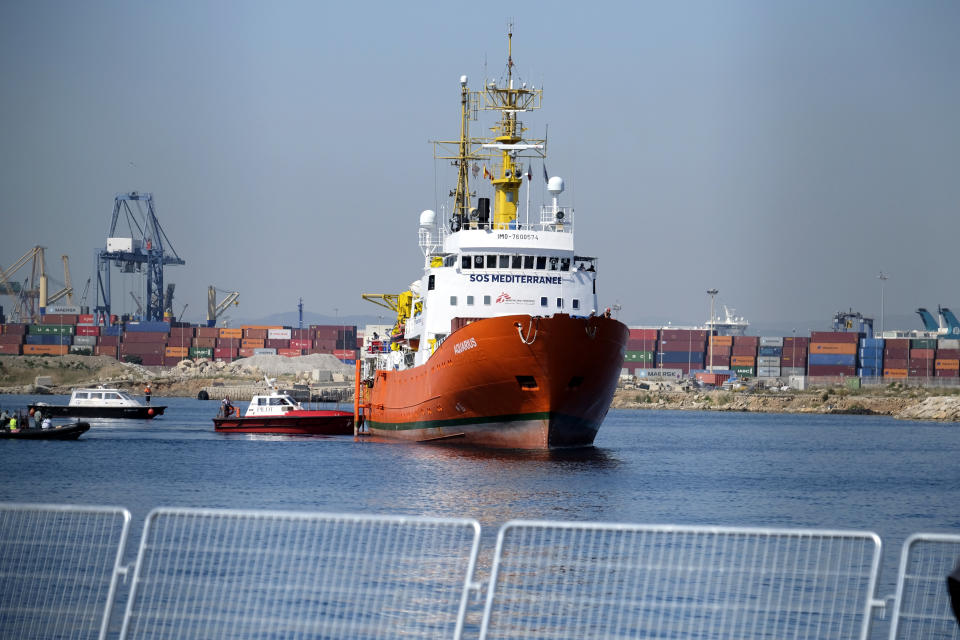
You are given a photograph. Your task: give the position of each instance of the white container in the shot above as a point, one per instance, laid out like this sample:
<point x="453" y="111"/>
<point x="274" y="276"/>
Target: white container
<point x="278" y="334"/>
<point x="264" y="352"/>
<point x="944" y="343"/>
<point x="792" y="371"/>
<point x="768" y="372"/>
<point x="87" y="341"/>
<point x="770" y="341"/>
<point x="768" y="361"/>
<point x="122" y="244"/>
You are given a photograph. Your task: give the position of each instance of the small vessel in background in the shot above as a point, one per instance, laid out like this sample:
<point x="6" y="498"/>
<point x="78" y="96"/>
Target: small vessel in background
<point x="278" y="413"/>
<point x="101" y="402"/>
<point x="55" y="432"/>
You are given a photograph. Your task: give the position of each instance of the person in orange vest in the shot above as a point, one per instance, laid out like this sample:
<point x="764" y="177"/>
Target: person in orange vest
<point x="146" y="393"/>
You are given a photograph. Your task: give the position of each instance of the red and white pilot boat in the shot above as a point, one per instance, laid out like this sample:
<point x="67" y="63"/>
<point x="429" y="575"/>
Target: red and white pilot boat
<point x="278" y="413"/>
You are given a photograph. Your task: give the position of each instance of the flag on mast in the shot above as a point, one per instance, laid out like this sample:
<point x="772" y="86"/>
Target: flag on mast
<point x="545" y="177"/>
<point x="487" y="174"/>
<point x="529" y="173"/>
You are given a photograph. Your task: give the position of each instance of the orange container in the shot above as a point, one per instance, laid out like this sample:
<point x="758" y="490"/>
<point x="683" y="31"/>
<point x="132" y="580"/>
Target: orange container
<point x="250" y="343"/>
<point x="231" y="333"/>
<point x="894" y="373"/>
<point x="947" y="364"/>
<point x="846" y="348"/>
<point x="742" y="361"/>
<point x="290" y="353"/>
<point x="176" y="352"/>
<point x="45" y="349"/>
<point x="721" y="341"/>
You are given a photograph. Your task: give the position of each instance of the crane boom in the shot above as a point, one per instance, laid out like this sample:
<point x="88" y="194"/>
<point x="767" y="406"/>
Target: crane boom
<point x="215" y="309"/>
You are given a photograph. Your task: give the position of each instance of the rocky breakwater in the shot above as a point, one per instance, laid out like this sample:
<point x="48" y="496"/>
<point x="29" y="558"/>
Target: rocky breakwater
<point x="941" y="408"/>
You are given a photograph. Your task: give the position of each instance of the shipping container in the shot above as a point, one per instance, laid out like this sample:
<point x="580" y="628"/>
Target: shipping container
<point x="846" y="348"/>
<point x="835" y="336"/>
<point x="680" y="357"/>
<point x="48" y="339"/>
<point x="152" y="360"/>
<point x="259" y="327"/>
<point x="688" y="346"/>
<point x="108" y="341"/>
<point x="713" y="360"/>
<point x="50" y="329"/>
<point x="141" y="348"/>
<point x="204" y="343"/>
<point x="920" y="372"/>
<point x="85" y="318"/>
<point x="255" y="334"/>
<point x="871" y="343"/>
<point x="113" y="330"/>
<point x="922" y="354"/>
<point x="641" y="344"/>
<point x="144" y="336"/>
<point x="719" y="350"/>
<point x="923" y="343"/>
<point x="948" y="353"/>
<point x="768" y="361"/>
<point x="264" y="352"/>
<point x="947" y="363"/>
<point x="245" y="352"/>
<point x="201" y="352"/>
<point x="771" y="341"/>
<point x="831" y="370"/>
<point x="792" y="371"/>
<point x="207" y="332"/>
<point x="235" y="334"/>
<point x="768" y="372"/>
<point x="45" y="349"/>
<point x="897" y="373"/>
<point x="5" y="339"/>
<point x="179" y="352"/>
<point x="290" y="353"/>
<point x="301" y="334"/>
<point x="252" y="343"/>
<point x="769" y="351"/>
<point x="947" y="373"/>
<point x="15" y="329"/>
<point x="10" y="349"/>
<point x="638" y="356"/>
<point x="147" y="327"/>
<point x="743" y="350"/>
<point x="301" y="343"/>
<point x="743" y="361"/>
<point x="948" y="343"/>
<point x="715" y="379"/>
<point x="278" y="334"/>
<point x="276" y="343"/>
<point x="222" y="353"/>
<point x="833" y="359"/>
<point x="896" y="354"/>
<point x="796" y="341"/>
<point x="743" y="371"/>
<point x="85" y="341"/>
<point x="694" y="335"/>
<point x="58" y="318"/>
<point x="644" y="334"/>
<point x="86" y="330"/>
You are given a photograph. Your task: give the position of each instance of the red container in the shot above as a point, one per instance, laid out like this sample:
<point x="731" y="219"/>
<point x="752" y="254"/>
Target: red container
<point x="100" y="350"/>
<point x="643" y="334"/>
<point x="15" y="329"/>
<point x="948" y="373"/>
<point x="143" y="348"/>
<point x="209" y="343"/>
<point x="207" y="332"/>
<point x="640" y="344"/>
<point x="277" y="344"/>
<point x="10" y="348"/>
<point x="743" y="350"/>
<point x="152" y="360"/>
<point x="301" y="343"/>
<point x="58" y="318"/>
<point x="716" y="379"/>
<point x="225" y="352"/>
<point x="718" y="351"/>
<point x="290" y="353"/>
<point x="5" y="339"/>
<point x="345" y="354"/>
<point x="753" y="341"/>
<point x="921" y="354"/>
<point x="796" y="341"/>
<point x="896" y="343"/>
<point x="896" y="353"/>
<point x="324" y="346"/>
<point x="921" y="372"/>
<point x="86" y="330"/>
<point x="185" y="333"/>
<point x="245" y="352"/>
<point x="255" y="334"/>
<point x="690" y="346"/>
<point x="895" y="363"/>
<point x="790" y="361"/>
<point x="948" y="353"/>
<point x="108" y="341"/>
<point x="145" y="336"/>
<point x="718" y="361"/>
<point x="695" y="335"/>
<point x="228" y="343"/>
<point x="831" y="370"/>
<point x="301" y="334"/>
<point x="85" y="318"/>
<point x="834" y="336"/>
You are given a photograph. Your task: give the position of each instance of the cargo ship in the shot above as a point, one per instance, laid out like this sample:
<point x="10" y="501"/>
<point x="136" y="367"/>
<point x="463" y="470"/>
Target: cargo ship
<point x="500" y="342"/>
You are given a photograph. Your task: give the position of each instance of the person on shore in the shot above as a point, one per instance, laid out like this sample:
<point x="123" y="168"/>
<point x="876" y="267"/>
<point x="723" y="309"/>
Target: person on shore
<point x="146" y="393"/>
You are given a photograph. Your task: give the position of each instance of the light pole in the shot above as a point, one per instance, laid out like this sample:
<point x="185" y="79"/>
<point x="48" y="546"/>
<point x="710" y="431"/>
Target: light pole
<point x="883" y="278"/>
<point x="712" y="293"/>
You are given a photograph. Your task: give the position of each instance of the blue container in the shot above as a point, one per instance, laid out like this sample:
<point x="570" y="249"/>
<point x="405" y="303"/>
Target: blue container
<point x="871" y="353"/>
<point x="871" y="343"/>
<point x="681" y="357"/>
<point x="113" y="330"/>
<point x="770" y="351"/>
<point x="42" y="338"/>
<point x="868" y="372"/>
<point x="833" y="359"/>
<point x="144" y="327"/>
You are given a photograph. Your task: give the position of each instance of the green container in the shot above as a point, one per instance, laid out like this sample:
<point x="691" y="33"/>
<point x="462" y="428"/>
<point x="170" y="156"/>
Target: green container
<point x="923" y="343"/>
<point x="744" y="372"/>
<point x="201" y="352"/>
<point x="50" y="329"/>
<point x="638" y="356"/>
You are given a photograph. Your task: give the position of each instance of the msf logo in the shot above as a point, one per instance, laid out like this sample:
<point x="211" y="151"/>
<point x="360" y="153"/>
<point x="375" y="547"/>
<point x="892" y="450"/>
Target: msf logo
<point x="503" y="297"/>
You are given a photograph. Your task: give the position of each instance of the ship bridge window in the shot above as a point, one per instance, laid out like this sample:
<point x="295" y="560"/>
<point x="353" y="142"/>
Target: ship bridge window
<point x="478" y="262"/>
<point x="504" y="262"/>
<point x="541" y="262"/>
<point x="576" y="303"/>
<point x="528" y="262"/>
<point x="516" y="262"/>
<point x="466" y="262"/>
<point x="559" y="303"/>
<point x="543" y="301"/>
<point x="453" y="301"/>
<point x="261" y="402"/>
<point x="486" y="299"/>
<point x="554" y="260"/>
<point x="276" y="402"/>
<point x="564" y="264"/>
<point x="112" y="396"/>
<point x="469" y="300"/>
<point x="491" y="262"/>
<point x="449" y="261"/>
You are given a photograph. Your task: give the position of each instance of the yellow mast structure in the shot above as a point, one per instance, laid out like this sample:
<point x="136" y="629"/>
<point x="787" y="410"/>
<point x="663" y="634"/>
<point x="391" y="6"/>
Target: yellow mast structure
<point x="508" y="138"/>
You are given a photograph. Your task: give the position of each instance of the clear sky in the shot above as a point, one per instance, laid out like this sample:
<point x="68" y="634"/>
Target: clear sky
<point x="782" y="152"/>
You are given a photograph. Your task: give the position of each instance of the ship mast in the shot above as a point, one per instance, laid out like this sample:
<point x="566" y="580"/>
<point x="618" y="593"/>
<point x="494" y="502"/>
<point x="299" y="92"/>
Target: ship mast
<point x="508" y="139"/>
<point x="461" y="198"/>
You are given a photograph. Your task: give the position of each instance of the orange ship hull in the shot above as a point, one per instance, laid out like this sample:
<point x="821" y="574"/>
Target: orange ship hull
<point x="507" y="382"/>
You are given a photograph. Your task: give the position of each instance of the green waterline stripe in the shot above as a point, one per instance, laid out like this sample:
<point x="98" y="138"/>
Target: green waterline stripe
<point x="454" y="422"/>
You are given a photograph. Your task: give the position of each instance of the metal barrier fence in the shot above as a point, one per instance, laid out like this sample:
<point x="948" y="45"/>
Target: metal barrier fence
<point x="241" y="574"/>
<point x="58" y="569"/>
<point x="235" y="574"/>
<point x="573" y="580"/>
<point x="922" y="605"/>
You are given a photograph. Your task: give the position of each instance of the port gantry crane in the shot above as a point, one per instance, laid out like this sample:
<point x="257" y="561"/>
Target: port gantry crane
<point x="215" y="309"/>
<point x="31" y="295"/>
<point x="143" y="247"/>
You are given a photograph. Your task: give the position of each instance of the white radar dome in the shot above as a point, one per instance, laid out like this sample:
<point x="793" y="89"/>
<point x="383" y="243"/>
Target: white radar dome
<point x="428" y="218"/>
<point x="555" y="185"/>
